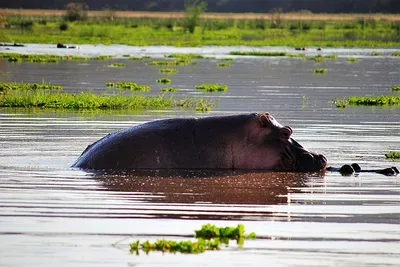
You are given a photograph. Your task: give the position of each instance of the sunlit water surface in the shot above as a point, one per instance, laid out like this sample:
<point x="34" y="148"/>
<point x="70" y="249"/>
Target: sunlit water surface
<point x="52" y="215"/>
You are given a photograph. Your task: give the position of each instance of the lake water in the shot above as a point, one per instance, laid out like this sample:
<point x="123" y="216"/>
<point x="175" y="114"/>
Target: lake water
<point x="52" y="215"/>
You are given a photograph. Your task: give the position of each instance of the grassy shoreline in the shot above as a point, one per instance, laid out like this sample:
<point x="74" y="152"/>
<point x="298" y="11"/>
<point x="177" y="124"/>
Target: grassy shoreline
<point x="152" y="28"/>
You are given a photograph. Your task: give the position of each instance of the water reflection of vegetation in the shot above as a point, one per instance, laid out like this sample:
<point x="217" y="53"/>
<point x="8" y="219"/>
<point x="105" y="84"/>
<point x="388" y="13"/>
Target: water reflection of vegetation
<point x="209" y="237"/>
<point x="367" y="101"/>
<point x="43" y="99"/>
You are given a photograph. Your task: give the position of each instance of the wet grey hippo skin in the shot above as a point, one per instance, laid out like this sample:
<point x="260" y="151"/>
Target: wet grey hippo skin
<point x="246" y="141"/>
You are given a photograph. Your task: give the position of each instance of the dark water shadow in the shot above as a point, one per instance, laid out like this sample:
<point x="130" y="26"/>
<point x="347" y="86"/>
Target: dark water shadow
<point x="211" y="186"/>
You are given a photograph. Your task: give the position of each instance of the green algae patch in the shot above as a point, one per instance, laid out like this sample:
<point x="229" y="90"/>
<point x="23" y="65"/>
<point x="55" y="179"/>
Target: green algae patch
<point x="209" y="237"/>
<point x="392" y="155"/>
<point x="168" y="71"/>
<point x="395" y="88"/>
<point x="260" y="54"/>
<point x="213" y="87"/>
<point x="164" y="80"/>
<point x="383" y="100"/>
<point x="169" y="89"/>
<point x="320" y="71"/>
<point x="132" y="86"/>
<point x="82" y="101"/>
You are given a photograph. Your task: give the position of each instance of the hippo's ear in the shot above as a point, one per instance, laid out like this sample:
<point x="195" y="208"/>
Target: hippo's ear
<point x="264" y="119"/>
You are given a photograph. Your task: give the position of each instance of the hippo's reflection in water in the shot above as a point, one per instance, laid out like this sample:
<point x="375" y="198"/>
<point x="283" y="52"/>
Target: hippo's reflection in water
<point x="206" y="190"/>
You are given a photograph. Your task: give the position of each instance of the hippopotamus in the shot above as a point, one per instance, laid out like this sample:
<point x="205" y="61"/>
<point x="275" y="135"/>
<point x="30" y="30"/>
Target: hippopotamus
<point x="244" y="141"/>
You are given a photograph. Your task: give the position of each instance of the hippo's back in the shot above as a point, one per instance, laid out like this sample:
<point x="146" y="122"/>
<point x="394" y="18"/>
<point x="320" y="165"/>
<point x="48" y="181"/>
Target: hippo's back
<point x="158" y="144"/>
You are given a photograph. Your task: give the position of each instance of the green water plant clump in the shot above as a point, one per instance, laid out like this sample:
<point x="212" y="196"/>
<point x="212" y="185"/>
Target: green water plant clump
<point x="117" y="64"/>
<point x="164" y="80"/>
<point x="213" y="87"/>
<point x="82" y="101"/>
<point x="179" y="62"/>
<point x="168" y="71"/>
<point x="223" y="65"/>
<point x="132" y="86"/>
<point x="209" y="237"/>
<point x="140" y="58"/>
<point x="203" y="106"/>
<point x="392" y="155"/>
<point x="110" y="84"/>
<point x="333" y="57"/>
<point x="7" y="87"/>
<point x="320" y="71"/>
<point x="376" y="54"/>
<point x="396" y="54"/>
<point x="186" y="56"/>
<point x="395" y="88"/>
<point x="383" y="100"/>
<point x="352" y="59"/>
<point x="169" y="89"/>
<point x="263" y="54"/>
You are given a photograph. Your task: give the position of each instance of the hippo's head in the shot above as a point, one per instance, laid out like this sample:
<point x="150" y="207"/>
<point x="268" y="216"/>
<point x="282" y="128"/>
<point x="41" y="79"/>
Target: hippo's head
<point x="286" y="153"/>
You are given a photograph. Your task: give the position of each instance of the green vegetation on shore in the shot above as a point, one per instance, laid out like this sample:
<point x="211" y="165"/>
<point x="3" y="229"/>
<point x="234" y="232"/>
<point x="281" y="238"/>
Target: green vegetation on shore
<point x="209" y="237"/>
<point x="359" y="32"/>
<point x="46" y="58"/>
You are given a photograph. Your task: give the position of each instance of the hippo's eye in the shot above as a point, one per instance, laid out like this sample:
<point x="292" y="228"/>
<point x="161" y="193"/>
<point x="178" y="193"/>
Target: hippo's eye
<point x="286" y="132"/>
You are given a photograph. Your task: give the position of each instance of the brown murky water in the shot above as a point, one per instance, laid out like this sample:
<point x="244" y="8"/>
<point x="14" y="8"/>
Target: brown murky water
<point x="52" y="215"/>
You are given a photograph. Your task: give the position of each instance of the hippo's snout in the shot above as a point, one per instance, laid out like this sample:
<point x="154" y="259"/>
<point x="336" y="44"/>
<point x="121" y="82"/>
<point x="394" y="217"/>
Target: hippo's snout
<point x="307" y="160"/>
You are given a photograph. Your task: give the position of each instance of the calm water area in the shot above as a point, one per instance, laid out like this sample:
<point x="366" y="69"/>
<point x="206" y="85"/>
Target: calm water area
<point x="52" y="215"/>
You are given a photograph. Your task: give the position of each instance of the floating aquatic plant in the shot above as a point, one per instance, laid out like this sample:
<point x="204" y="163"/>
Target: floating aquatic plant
<point x="132" y="86"/>
<point x="110" y="84"/>
<point x="395" y="88"/>
<point x="376" y="54"/>
<point x="178" y="62"/>
<point x="4" y="87"/>
<point x="213" y="87"/>
<point x="396" y="54"/>
<point x="117" y="64"/>
<point x="169" y="89"/>
<point x="352" y="59"/>
<point x="223" y="65"/>
<point x="164" y="81"/>
<point x="168" y="71"/>
<point x="45" y="99"/>
<point x="320" y="71"/>
<point x="383" y="100"/>
<point x="185" y="56"/>
<point x="263" y="54"/>
<point x="209" y="237"/>
<point x="392" y="155"/>
<point x="334" y="57"/>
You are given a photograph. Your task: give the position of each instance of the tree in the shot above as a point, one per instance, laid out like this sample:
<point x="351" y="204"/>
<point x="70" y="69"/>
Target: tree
<point x="193" y="10"/>
<point x="76" y="11"/>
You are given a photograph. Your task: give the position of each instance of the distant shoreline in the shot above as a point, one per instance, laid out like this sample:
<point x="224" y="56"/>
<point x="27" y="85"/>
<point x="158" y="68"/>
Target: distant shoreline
<point x="237" y="16"/>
